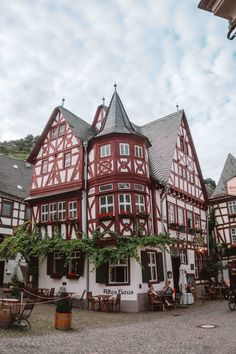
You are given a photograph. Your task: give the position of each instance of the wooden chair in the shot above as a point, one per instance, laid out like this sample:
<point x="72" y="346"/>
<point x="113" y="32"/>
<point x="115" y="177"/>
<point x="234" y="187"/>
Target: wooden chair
<point x="23" y="319"/>
<point x="91" y="301"/>
<point x="115" y="303"/>
<point x="155" y="302"/>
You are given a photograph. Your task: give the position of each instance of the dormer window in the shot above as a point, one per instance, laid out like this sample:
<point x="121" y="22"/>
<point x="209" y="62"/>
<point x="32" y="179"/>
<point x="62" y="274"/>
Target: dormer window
<point x="124" y="149"/>
<point x="105" y="150"/>
<point x="139" y="151"/>
<point x="62" y="129"/>
<point x="54" y="133"/>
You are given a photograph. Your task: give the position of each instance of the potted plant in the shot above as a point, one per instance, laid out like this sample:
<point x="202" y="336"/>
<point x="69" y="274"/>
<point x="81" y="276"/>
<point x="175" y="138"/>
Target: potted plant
<point x="72" y="275"/>
<point x="63" y="315"/>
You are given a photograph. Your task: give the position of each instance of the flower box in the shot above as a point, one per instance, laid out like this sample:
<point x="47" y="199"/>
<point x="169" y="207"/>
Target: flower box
<point x="72" y="276"/>
<point x="142" y="215"/>
<point x="125" y="215"/>
<point x="56" y="276"/>
<point x="105" y="216"/>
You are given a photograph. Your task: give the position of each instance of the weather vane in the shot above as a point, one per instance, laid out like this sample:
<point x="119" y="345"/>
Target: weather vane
<point x="103" y="101"/>
<point x="63" y="101"/>
<point x="177" y="106"/>
<point x="115" y="85"/>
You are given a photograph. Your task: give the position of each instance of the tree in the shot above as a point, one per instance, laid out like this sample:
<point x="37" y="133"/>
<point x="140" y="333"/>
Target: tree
<point x="210" y="182"/>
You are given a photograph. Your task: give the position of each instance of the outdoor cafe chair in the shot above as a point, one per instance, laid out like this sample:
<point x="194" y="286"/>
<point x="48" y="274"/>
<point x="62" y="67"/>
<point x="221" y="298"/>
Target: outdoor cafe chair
<point x="115" y="303"/>
<point x="91" y="301"/>
<point x="22" y="320"/>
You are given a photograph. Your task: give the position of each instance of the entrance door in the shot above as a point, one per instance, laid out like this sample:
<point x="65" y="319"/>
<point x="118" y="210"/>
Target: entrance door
<point x="2" y="266"/>
<point x="175" y="268"/>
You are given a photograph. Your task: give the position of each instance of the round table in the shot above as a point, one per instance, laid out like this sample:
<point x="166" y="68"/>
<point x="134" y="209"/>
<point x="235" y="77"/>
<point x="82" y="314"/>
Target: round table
<point x="186" y="299"/>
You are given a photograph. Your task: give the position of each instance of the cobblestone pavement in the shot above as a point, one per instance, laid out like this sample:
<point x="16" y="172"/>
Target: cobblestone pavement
<point x="172" y="331"/>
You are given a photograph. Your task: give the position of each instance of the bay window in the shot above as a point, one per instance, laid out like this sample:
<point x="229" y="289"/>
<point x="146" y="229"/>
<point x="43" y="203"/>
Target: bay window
<point x="72" y="210"/>
<point x="44" y="213"/>
<point x="61" y="210"/>
<point x="106" y="204"/>
<point x="124" y="149"/>
<point x="139" y="203"/>
<point x="124" y="202"/>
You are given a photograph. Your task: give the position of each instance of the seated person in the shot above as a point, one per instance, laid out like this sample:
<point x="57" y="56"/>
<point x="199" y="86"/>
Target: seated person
<point x="158" y="296"/>
<point x="167" y="289"/>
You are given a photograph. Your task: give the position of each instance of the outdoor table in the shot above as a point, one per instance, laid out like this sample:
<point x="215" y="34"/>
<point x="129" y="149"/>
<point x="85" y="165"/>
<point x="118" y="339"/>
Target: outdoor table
<point x="103" y="301"/>
<point x="186" y="299"/>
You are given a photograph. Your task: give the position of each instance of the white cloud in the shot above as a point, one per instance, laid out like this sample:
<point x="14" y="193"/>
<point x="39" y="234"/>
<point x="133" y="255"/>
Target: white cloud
<point x="159" y="53"/>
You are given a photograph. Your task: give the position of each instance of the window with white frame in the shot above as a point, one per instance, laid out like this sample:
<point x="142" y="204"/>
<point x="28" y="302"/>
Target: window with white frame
<point x="181" y="220"/>
<point x="67" y="162"/>
<point x="106" y="204"/>
<point x="232" y="207"/>
<point x="138" y="151"/>
<point x="45" y="166"/>
<point x="53" y="211"/>
<point x="233" y="235"/>
<point x="44" y="213"/>
<point x="171" y="213"/>
<point x="57" y="259"/>
<point x="123" y="185"/>
<point x="139" y="203"/>
<point x="72" y="210"/>
<point x="105" y="187"/>
<point x="197" y="221"/>
<point x="61" y="210"/>
<point x="139" y="187"/>
<point x="74" y="262"/>
<point x="124" y="202"/>
<point x="152" y="265"/>
<point x="189" y="219"/>
<point x="124" y="149"/>
<point x="54" y="133"/>
<point x="7" y="208"/>
<point x="118" y="272"/>
<point x="183" y="256"/>
<point x="105" y="150"/>
<point x="62" y="129"/>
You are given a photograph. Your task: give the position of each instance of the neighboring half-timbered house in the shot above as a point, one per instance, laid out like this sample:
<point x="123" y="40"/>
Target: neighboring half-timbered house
<point x="15" y="182"/>
<point x="223" y="204"/>
<point x="114" y="175"/>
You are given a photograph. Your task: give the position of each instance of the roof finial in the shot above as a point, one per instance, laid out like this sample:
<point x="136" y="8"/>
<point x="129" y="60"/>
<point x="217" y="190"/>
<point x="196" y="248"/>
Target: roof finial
<point x="177" y="106"/>
<point x="63" y="101"/>
<point x="115" y="85"/>
<point x="103" y="101"/>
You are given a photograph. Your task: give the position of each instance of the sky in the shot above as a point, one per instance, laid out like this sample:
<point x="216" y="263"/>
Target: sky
<point x="160" y="53"/>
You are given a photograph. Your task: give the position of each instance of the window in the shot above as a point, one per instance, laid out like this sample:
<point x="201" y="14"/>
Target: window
<point x="190" y="177"/>
<point x="62" y="129"/>
<point x="57" y="259"/>
<point x="118" y="272"/>
<point x="180" y="170"/>
<point x="138" y="187"/>
<point x="44" y="213"/>
<point x="197" y="221"/>
<point x="105" y="187"/>
<point x="189" y="219"/>
<point x="27" y="213"/>
<point x="152" y="265"/>
<point x="183" y="256"/>
<point x="139" y="203"/>
<point x="72" y="207"/>
<point x="124" y="202"/>
<point x="171" y="213"/>
<point x="53" y="211"/>
<point x="232" y="207"/>
<point x="105" y="150"/>
<point x="61" y="210"/>
<point x="106" y="204"/>
<point x="67" y="162"/>
<point x="45" y="166"/>
<point x="54" y="133"/>
<point x="123" y="186"/>
<point x="183" y="145"/>
<point x="74" y="262"/>
<point x="124" y="149"/>
<point x="7" y="208"/>
<point x="233" y="235"/>
<point x="139" y="151"/>
<point x="181" y="220"/>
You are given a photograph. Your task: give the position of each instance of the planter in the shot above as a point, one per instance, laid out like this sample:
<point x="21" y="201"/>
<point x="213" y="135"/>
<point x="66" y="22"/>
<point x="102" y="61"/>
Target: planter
<point x="126" y="216"/>
<point x="63" y="320"/>
<point x="74" y="276"/>
<point x="142" y="216"/>
<point x="56" y="276"/>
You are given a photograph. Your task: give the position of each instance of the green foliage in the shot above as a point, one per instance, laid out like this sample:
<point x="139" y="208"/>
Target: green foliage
<point x="64" y="305"/>
<point x="210" y="182"/>
<point x="18" y="148"/>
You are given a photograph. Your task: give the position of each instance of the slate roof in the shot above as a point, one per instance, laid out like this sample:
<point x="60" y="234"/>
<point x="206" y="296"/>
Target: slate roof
<point x="15" y="173"/>
<point x="229" y="171"/>
<point x="162" y="134"/>
<point x="116" y="119"/>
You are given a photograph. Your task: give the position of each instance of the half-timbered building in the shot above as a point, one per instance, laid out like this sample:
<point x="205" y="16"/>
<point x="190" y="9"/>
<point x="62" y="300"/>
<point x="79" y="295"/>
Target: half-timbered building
<point x="114" y="175"/>
<point x="223" y="206"/>
<point x="15" y="182"/>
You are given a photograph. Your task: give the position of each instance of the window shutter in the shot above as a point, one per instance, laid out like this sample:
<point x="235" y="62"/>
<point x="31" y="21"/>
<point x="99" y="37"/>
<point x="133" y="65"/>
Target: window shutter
<point x="50" y="264"/>
<point x="160" y="269"/>
<point x="81" y="263"/>
<point x="102" y="273"/>
<point x="146" y="273"/>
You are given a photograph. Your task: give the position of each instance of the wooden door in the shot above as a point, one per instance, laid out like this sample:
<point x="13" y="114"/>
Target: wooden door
<point x="175" y="268"/>
<point x="2" y="266"/>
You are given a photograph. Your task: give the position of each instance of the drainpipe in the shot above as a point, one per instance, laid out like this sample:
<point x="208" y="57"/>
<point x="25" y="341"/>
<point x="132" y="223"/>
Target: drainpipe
<point x="84" y="209"/>
<point x="163" y="230"/>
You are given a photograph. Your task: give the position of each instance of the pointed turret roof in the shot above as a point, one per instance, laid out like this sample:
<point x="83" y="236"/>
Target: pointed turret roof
<point x="229" y="171"/>
<point x="116" y="120"/>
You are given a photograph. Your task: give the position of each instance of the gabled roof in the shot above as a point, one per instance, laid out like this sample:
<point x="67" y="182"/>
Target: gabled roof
<point x="162" y="134"/>
<point x="116" y="119"/>
<point x="81" y="129"/>
<point x="229" y="171"/>
<point x="15" y="177"/>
